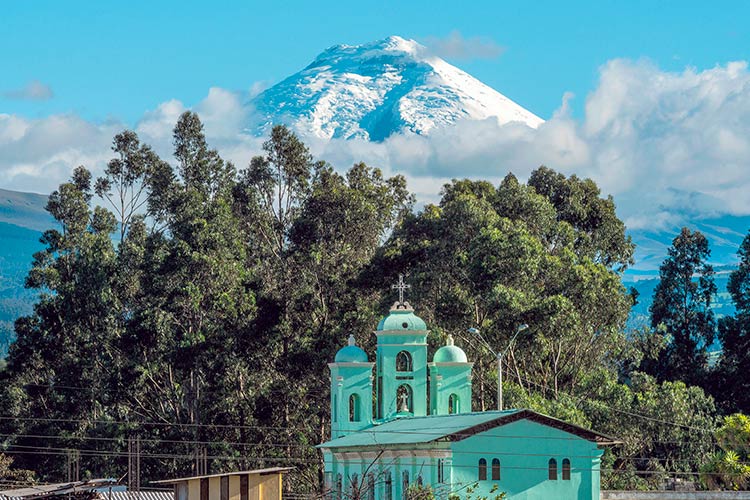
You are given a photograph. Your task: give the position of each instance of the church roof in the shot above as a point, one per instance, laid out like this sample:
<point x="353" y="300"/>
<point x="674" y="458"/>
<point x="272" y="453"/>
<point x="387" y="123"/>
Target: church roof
<point x="454" y="427"/>
<point x="401" y="317"/>
<point x="449" y="353"/>
<point x="351" y="353"/>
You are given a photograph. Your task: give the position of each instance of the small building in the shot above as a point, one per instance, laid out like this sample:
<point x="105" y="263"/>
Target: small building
<point x="259" y="484"/>
<point x="415" y="427"/>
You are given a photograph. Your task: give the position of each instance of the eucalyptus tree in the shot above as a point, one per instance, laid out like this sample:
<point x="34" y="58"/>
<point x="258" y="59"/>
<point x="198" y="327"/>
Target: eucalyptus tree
<point x="682" y="309"/>
<point x="730" y="383"/>
<point x="57" y="379"/>
<point x="310" y="232"/>
<point x="495" y="258"/>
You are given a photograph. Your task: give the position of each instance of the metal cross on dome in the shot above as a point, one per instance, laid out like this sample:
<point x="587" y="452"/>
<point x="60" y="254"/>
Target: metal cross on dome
<point x="401" y="286"/>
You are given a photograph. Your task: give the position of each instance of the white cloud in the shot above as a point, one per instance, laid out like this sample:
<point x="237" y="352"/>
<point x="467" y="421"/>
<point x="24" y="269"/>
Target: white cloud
<point x="667" y="145"/>
<point x="660" y="142"/>
<point x="455" y="46"/>
<point x="40" y="153"/>
<point x="32" y="91"/>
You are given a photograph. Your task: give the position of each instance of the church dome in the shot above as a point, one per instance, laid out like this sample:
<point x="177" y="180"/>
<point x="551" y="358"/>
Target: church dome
<point x="450" y="353"/>
<point x="402" y="317"/>
<point x="351" y="353"/>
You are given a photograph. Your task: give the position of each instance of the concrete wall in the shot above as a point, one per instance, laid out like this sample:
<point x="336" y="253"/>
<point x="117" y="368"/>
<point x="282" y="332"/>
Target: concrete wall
<point x="675" y="495"/>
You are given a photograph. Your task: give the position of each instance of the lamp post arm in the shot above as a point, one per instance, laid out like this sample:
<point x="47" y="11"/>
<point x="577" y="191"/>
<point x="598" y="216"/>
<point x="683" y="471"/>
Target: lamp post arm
<point x="499" y="356"/>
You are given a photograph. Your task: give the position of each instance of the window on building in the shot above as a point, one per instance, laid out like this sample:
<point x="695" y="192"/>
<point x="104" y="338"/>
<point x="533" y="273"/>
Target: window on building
<point x="354" y="408"/>
<point x="181" y="491"/>
<point x="380" y="397"/>
<point x="403" y="362"/>
<point x="552" y="469"/>
<point x="404" y="483"/>
<point x="388" y="486"/>
<point x="338" y="492"/>
<point x="335" y="408"/>
<point x="566" y="470"/>
<point x="482" y="469"/>
<point x="419" y="480"/>
<point x="370" y="486"/>
<point x="496" y="469"/>
<point x="404" y="398"/>
<point x="453" y="404"/>
<point x="441" y="470"/>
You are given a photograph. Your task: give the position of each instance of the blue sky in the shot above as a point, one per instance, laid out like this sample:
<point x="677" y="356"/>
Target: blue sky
<point x="105" y="60"/>
<point x="660" y="116"/>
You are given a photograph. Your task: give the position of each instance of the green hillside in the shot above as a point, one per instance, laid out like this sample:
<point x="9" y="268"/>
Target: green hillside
<point x="16" y="251"/>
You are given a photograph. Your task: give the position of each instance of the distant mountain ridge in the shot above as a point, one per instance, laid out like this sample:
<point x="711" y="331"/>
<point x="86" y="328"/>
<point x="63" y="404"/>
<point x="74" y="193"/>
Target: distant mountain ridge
<point x="25" y="210"/>
<point x="724" y="233"/>
<point x="374" y="90"/>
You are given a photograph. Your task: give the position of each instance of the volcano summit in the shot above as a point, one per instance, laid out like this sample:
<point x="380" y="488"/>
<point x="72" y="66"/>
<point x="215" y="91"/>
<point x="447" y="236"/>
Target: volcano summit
<point x="373" y="90"/>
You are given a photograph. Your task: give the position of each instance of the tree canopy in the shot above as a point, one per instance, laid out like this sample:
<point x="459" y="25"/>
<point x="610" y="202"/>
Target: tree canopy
<point x="198" y="312"/>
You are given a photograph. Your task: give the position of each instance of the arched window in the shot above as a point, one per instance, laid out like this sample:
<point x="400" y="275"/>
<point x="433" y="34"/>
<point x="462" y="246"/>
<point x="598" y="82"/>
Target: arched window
<point x="339" y="490"/>
<point x="453" y="404"/>
<point x="370" y="486"/>
<point x="388" y="486"/>
<point x="482" y="469"/>
<point x="496" y="469"/>
<point x="403" y="362"/>
<point x="566" y="469"/>
<point x="404" y="398"/>
<point x="335" y="407"/>
<point x="404" y="483"/>
<point x="354" y="408"/>
<point x="553" y="469"/>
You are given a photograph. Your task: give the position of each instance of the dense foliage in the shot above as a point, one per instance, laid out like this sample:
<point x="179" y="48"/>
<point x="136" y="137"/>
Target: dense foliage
<point x="729" y="468"/>
<point x="682" y="309"/>
<point x="198" y="312"/>
<point x="730" y="381"/>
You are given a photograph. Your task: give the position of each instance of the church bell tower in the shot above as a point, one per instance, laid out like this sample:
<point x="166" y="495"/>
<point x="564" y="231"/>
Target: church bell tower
<point x="401" y="361"/>
<point x="351" y="390"/>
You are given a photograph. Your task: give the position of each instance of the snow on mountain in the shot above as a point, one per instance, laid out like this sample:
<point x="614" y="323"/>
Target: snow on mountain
<point x="373" y="90"/>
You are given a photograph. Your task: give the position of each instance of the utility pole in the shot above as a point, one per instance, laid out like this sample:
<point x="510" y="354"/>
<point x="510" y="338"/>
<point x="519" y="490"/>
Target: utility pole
<point x="73" y="465"/>
<point x="134" y="466"/>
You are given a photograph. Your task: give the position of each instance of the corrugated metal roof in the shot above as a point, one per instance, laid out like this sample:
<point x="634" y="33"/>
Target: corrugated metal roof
<point x="135" y="495"/>
<point x="44" y="490"/>
<point x="414" y="430"/>
<point x="270" y="470"/>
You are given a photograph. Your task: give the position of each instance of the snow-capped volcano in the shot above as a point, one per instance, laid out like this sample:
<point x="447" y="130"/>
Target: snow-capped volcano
<point x="373" y="90"/>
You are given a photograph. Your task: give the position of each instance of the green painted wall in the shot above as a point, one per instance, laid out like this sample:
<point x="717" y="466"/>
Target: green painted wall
<point x="447" y="379"/>
<point x="390" y="343"/>
<point x="349" y="379"/>
<point x="524" y="449"/>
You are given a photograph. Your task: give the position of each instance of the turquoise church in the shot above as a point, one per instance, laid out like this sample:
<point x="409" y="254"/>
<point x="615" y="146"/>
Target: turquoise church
<point x="404" y="421"/>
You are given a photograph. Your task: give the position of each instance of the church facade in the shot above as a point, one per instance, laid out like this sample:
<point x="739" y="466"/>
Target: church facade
<point x="402" y="422"/>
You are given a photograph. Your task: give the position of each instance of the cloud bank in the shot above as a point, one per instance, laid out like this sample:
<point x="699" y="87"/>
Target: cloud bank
<point x="456" y="47"/>
<point x="32" y="91"/>
<point x="666" y="145"/>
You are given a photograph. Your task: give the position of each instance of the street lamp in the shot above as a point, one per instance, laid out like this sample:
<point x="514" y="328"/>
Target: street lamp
<point x="499" y="357"/>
